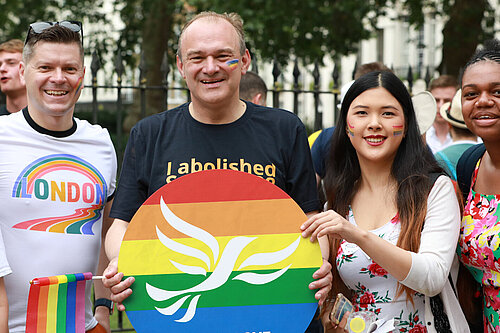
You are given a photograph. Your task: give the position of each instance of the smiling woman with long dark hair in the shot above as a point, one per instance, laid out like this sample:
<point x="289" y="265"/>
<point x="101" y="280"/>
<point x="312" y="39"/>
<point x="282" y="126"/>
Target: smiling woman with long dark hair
<point x="393" y="218"/>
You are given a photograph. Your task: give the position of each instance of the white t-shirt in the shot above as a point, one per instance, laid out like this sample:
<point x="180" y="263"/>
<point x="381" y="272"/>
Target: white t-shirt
<point x="53" y="186"/>
<point x="4" y="264"/>
<point x="433" y="141"/>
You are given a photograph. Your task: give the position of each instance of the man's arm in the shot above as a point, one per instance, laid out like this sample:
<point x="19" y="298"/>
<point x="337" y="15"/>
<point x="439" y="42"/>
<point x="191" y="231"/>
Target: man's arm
<point x="112" y="278"/>
<point x="323" y="275"/>
<point x="102" y="312"/>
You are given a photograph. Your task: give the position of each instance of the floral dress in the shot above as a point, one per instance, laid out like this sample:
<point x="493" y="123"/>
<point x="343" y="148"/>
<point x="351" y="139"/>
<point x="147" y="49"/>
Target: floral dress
<point x="479" y="250"/>
<point x="373" y="288"/>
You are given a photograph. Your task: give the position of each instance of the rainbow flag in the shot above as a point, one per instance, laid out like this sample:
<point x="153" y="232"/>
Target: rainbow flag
<point x="57" y="304"/>
<point x="398" y="130"/>
<point x="219" y="251"/>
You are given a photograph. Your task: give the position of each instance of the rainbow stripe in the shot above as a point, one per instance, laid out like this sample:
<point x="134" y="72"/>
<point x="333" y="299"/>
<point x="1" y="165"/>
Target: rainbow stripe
<point x="56" y="304"/>
<point x="232" y="63"/>
<point x="83" y="219"/>
<point x="80" y="82"/>
<point x="350" y="129"/>
<point x="81" y="222"/>
<point x="397" y="130"/>
<point x="23" y="186"/>
<point x="230" y="205"/>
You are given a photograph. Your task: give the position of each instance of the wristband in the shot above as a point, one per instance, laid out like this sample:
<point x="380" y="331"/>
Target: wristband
<point x="104" y="302"/>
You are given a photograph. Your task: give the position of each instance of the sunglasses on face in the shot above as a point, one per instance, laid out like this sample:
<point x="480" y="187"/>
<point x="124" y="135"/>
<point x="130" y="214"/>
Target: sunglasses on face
<point x="38" y="27"/>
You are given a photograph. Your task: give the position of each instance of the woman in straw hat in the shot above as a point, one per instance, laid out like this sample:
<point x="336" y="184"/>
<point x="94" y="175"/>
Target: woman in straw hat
<point x="462" y="137"/>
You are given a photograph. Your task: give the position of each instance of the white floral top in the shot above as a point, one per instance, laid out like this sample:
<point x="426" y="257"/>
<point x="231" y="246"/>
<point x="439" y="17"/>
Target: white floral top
<point x="373" y="288"/>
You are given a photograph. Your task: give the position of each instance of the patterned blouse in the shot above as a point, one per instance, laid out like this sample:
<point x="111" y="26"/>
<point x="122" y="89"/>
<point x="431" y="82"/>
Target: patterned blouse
<point x="479" y="250"/>
<point x="373" y="288"/>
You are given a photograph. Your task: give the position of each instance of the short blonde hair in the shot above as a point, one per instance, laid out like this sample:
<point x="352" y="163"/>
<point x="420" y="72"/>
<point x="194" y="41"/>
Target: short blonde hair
<point x="13" y="46"/>
<point x="233" y="18"/>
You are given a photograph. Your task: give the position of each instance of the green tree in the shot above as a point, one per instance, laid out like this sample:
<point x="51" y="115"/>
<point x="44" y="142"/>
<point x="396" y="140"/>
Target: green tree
<point x="16" y="16"/>
<point x="469" y="23"/>
<point x="310" y="29"/>
<point x="279" y="29"/>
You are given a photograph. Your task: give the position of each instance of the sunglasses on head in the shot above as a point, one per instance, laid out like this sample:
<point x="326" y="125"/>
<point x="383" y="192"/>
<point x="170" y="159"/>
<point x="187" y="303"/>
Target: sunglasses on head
<point x="38" y="27"/>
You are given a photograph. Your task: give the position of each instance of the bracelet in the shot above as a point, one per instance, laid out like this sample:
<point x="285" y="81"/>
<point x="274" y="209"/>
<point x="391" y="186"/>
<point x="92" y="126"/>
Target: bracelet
<point x="104" y="302"/>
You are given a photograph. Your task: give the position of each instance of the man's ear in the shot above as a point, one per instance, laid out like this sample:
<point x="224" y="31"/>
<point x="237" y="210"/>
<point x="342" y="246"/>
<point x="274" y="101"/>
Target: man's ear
<point x="21" y="72"/>
<point x="245" y="61"/>
<point x="180" y="66"/>
<point x="258" y="99"/>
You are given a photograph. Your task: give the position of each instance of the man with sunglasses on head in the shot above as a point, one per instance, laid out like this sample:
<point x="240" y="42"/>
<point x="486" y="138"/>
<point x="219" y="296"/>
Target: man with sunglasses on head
<point x="10" y="82"/>
<point x="57" y="176"/>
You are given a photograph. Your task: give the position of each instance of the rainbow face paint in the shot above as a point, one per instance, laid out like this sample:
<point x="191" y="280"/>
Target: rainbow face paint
<point x="397" y="130"/>
<point x="350" y="129"/>
<point x="80" y="82"/>
<point x="232" y="63"/>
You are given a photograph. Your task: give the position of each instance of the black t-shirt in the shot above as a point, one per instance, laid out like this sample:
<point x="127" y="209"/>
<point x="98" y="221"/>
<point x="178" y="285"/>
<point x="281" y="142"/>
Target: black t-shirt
<point x="270" y="143"/>
<point x="3" y="110"/>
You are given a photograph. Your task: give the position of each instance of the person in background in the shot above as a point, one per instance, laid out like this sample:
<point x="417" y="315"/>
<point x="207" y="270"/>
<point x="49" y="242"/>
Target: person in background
<point x="10" y="81"/>
<point x="443" y="89"/>
<point x="460" y="134"/>
<point x="253" y="88"/>
<point x="393" y="217"/>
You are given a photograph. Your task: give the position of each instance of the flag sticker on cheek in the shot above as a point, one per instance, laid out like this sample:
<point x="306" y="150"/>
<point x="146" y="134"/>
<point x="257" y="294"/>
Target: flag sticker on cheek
<point x="397" y="130"/>
<point x="350" y="129"/>
<point x="232" y="63"/>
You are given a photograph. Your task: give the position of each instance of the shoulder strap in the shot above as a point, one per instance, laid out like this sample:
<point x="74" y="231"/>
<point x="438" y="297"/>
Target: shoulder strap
<point x="466" y="165"/>
<point x="433" y="176"/>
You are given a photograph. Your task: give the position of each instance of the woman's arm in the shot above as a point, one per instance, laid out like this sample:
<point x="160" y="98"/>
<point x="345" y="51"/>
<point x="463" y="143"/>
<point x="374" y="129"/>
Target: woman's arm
<point x="431" y="265"/>
<point x="425" y="271"/>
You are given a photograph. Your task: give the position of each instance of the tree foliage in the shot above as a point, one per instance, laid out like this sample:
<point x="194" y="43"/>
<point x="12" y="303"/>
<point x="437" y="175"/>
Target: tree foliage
<point x="278" y="29"/>
<point x="16" y="16"/>
<point x="307" y="30"/>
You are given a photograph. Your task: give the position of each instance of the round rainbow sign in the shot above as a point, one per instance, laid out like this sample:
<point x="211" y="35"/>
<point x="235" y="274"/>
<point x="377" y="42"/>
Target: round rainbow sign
<point x="219" y="251"/>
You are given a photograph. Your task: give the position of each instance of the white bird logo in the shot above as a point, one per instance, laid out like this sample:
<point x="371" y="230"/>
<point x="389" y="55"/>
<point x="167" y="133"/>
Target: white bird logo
<point x="222" y="270"/>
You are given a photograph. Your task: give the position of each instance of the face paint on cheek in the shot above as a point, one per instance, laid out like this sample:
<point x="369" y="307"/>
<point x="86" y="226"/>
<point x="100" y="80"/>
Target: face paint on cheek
<point x="350" y="129"/>
<point x="232" y="63"/>
<point x="80" y="81"/>
<point x="397" y="130"/>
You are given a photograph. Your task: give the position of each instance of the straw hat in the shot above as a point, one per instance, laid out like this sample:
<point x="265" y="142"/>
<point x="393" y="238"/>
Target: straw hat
<point x="452" y="112"/>
<point x="425" y="110"/>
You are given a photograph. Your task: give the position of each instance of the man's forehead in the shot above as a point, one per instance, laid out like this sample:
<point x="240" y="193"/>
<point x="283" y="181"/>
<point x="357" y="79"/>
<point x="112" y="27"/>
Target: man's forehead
<point x="6" y="55"/>
<point x="209" y="25"/>
<point x="47" y="50"/>
<point x="443" y="91"/>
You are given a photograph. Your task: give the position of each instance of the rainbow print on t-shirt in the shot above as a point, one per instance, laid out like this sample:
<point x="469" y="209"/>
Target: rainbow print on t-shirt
<point x="219" y="251"/>
<point x="89" y="193"/>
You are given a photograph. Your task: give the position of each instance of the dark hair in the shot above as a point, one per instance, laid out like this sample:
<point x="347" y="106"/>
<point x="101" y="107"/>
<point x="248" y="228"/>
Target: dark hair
<point x="489" y="52"/>
<point x="411" y="167"/>
<point x="252" y="84"/>
<point x="54" y="34"/>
